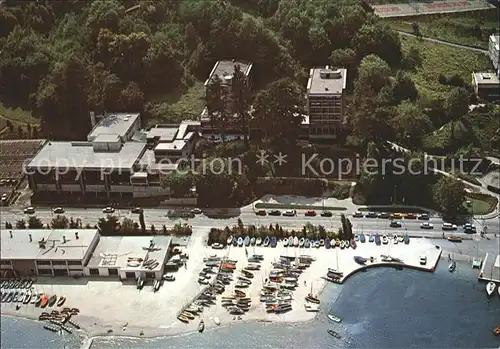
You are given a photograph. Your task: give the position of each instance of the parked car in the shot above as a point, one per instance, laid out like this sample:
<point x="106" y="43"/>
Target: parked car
<point x="275" y="213"/>
<point x="326" y="214"/>
<point x="358" y="214"/>
<point x="108" y="210"/>
<point x="396" y="216"/>
<point x="449" y="226"/>
<point x="469" y="228"/>
<point x="310" y="213"/>
<point x="384" y="215"/>
<point x="168" y="277"/>
<point x="196" y="211"/>
<point x="217" y="246"/>
<point x="371" y="215"/>
<point x="29" y="210"/>
<point x="396" y="224"/>
<point x="261" y="212"/>
<point x="58" y="210"/>
<point x="290" y="213"/>
<point x="411" y="216"/>
<point x="424" y="217"/>
<point x="136" y="210"/>
<point x="426" y="225"/>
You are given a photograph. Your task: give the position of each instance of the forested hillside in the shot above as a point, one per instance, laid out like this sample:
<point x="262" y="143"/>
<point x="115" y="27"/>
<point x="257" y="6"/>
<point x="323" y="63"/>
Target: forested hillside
<point x="61" y="59"/>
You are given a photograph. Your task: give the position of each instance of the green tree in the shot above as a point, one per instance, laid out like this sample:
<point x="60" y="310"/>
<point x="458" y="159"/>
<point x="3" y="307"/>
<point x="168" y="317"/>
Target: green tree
<point x="373" y="75"/>
<point x="278" y="111"/>
<point x="141" y="221"/>
<point x="456" y="105"/>
<point x="179" y="183"/>
<point x="127" y="226"/>
<point x="59" y="222"/>
<point x="108" y="225"/>
<point x="449" y="194"/>
<point x="378" y="39"/>
<point x="410" y="122"/>
<point x="218" y="102"/>
<point x="34" y="223"/>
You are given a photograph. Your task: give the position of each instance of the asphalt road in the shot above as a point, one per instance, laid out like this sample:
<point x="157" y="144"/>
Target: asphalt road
<point x="159" y="217"/>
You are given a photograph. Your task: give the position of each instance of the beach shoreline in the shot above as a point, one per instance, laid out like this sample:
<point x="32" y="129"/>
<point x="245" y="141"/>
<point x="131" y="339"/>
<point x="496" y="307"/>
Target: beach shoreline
<point x="151" y="315"/>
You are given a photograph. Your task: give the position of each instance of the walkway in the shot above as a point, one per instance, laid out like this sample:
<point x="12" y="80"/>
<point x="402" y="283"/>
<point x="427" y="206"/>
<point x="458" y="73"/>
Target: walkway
<point x="429" y="7"/>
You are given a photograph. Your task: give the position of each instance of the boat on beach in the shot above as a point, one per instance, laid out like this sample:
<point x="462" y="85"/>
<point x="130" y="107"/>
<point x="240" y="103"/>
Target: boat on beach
<point x="201" y="326"/>
<point x="246" y="242"/>
<point x="274" y="242"/>
<point x="360" y="260"/>
<point x="217" y="321"/>
<point x="362" y="238"/>
<point x="252" y="241"/>
<point x="61" y="301"/>
<point x="334" y="318"/>
<point x="183" y="318"/>
<point x="496" y="331"/>
<point x="295" y="241"/>
<point x="395" y="239"/>
<point x="385" y="240"/>
<point x="285" y="242"/>
<point x="240" y="241"/>
<point x="353" y="244"/>
<point x="52" y="300"/>
<point x="267" y="241"/>
<point x="290" y="242"/>
<point x="307" y="243"/>
<point x="406" y="239"/>
<point x="490" y="288"/>
<point x="333" y="243"/>
<point x="301" y="242"/>
<point x="327" y="244"/>
<point x="258" y="241"/>
<point x="311" y="299"/>
<point x="453" y="238"/>
<point x="44" y="301"/>
<point x="230" y="240"/>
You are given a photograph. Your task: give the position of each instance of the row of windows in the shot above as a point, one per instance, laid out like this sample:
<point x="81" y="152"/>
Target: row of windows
<point x="59" y="262"/>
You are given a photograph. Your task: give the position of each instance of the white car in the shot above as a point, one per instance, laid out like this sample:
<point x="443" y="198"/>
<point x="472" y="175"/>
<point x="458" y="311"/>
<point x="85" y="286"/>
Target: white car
<point x="289" y="213"/>
<point x="108" y="210"/>
<point x="217" y="246"/>
<point x="168" y="277"/>
<point x="423" y="260"/>
<point x="358" y="214"/>
<point x="29" y="210"/>
<point x="426" y="225"/>
<point x="449" y="226"/>
<point x="196" y="211"/>
<point x="58" y="210"/>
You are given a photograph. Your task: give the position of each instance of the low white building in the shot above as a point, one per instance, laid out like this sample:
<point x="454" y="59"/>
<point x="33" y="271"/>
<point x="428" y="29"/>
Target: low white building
<point x="127" y="257"/>
<point x="493" y="49"/>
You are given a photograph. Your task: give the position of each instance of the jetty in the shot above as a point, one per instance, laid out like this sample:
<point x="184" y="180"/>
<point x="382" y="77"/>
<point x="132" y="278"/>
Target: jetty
<point x="490" y="270"/>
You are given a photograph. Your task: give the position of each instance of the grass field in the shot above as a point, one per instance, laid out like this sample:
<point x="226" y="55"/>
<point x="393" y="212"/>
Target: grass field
<point x="17" y="115"/>
<point x="480" y="203"/>
<point x="467" y="28"/>
<point x="179" y="105"/>
<point x="442" y="59"/>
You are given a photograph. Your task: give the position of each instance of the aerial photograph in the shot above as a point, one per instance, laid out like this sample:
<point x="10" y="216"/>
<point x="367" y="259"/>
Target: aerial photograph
<point x="280" y="174"/>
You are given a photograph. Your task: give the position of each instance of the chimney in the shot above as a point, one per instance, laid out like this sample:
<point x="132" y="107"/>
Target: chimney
<point x="31" y="238"/>
<point x="92" y="119"/>
<point x="10" y="233"/>
<point x="76" y="236"/>
<point x="64" y="239"/>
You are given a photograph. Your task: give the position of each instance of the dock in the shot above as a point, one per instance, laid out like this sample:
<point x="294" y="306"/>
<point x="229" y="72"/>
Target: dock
<point x="490" y="270"/>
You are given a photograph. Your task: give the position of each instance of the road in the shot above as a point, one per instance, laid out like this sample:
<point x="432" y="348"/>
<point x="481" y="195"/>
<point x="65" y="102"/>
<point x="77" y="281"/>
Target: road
<point x="159" y="217"/>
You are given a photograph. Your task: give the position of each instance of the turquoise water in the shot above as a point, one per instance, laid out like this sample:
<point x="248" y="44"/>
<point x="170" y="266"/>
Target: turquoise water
<point x="381" y="308"/>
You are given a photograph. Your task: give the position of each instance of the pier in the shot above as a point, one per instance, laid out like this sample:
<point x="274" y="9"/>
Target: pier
<point x="490" y="270"/>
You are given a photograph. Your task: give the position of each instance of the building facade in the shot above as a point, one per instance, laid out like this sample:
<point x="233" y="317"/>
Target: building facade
<point x="486" y="86"/>
<point x="325" y="104"/>
<point x="493" y="50"/>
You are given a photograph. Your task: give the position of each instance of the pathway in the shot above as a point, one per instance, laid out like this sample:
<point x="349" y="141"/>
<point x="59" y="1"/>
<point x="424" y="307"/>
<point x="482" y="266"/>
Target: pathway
<point x="470" y="48"/>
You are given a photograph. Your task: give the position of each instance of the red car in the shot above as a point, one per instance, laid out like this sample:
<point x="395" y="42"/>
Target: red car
<point x="310" y="213"/>
<point x="260" y="212"/>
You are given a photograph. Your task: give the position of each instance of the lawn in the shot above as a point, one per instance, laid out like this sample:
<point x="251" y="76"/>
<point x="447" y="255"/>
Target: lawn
<point x="180" y="104"/>
<point x="481" y="204"/>
<point x="17" y="115"/>
<point x="466" y="28"/>
<point x="437" y="59"/>
<point x="265" y="205"/>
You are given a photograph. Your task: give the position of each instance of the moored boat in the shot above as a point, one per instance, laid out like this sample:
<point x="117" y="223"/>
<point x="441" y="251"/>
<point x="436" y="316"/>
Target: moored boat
<point x="490" y="288"/>
<point x="333" y="333"/>
<point x="452" y="266"/>
<point x="334" y="318"/>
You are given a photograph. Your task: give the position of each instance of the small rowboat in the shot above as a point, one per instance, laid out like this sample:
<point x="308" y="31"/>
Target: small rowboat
<point x="230" y="240"/>
<point x="267" y="241"/>
<point x="496" y="331"/>
<point x="247" y="240"/>
<point x="216" y="321"/>
<point x="334" y="318"/>
<point x="183" y="318"/>
<point x="285" y="242"/>
<point x="301" y="242"/>
<point x="296" y="241"/>
<point x="240" y="241"/>
<point x="307" y="243"/>
<point x="240" y="293"/>
<point x="310" y="298"/>
<point x="333" y="334"/>
<point x="258" y="241"/>
<point x="44" y="301"/>
<point x="61" y="301"/>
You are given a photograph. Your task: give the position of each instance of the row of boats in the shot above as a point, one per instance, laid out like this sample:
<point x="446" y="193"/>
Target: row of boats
<point x="17" y="284"/>
<point x="57" y="321"/>
<point x="327" y="243"/>
<point x="30" y="297"/>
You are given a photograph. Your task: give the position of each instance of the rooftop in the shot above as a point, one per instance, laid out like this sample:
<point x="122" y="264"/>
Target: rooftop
<point x="118" y="251"/>
<point x="326" y="81"/>
<point x="117" y="123"/>
<point x="107" y="137"/>
<point x="165" y="134"/>
<point x="486" y="79"/>
<point x="19" y="245"/>
<point x="78" y="155"/>
<point x="226" y="69"/>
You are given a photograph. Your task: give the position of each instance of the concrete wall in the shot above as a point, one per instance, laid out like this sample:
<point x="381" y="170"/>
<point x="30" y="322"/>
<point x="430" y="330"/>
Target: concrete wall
<point x="180" y="202"/>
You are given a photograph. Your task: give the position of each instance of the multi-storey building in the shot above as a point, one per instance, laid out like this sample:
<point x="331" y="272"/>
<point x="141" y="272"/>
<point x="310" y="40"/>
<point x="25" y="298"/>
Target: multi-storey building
<point x="325" y="107"/>
<point x="493" y="49"/>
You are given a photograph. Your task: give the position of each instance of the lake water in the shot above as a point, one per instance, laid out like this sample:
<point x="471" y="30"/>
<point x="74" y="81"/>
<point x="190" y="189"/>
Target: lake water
<point x="381" y="308"/>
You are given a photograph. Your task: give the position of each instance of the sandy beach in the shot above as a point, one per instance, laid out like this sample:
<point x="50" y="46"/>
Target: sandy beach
<point x="110" y="307"/>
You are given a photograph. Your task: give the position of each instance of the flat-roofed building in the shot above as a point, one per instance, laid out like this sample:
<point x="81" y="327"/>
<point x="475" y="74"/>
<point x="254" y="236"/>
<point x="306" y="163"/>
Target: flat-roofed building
<point x="493" y="50"/>
<point x="486" y="86"/>
<point x="325" y="89"/>
<point x="46" y="252"/>
<point x="130" y="257"/>
<point x="124" y="125"/>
